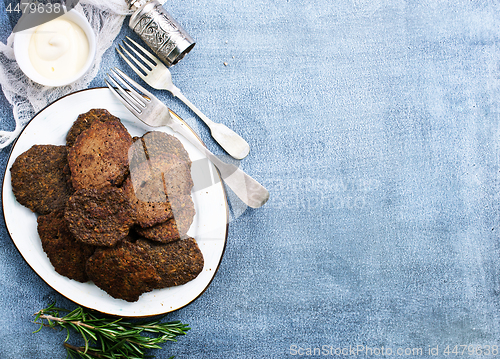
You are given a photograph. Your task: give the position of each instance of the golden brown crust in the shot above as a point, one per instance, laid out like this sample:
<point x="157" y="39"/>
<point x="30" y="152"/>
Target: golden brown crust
<point x="40" y="178"/>
<point x="67" y="255"/>
<point x="174" y="228"/>
<point x="99" y="216"/>
<point x="99" y="156"/>
<point x="156" y="143"/>
<point x="176" y="263"/>
<point x="85" y="120"/>
<point x="175" y="174"/>
<point x="153" y="182"/>
<point x="123" y="271"/>
<point x="148" y="212"/>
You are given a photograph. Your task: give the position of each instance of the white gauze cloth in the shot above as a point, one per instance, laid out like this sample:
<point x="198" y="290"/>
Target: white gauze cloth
<point x="28" y="97"/>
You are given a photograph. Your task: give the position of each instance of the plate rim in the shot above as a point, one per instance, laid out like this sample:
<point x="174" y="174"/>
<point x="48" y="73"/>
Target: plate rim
<point x="9" y="157"/>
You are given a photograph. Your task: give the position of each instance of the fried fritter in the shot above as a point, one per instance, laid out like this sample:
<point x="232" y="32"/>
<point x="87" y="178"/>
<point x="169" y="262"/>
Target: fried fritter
<point x="174" y="228"/>
<point x="124" y="271"/>
<point x="67" y="255"/>
<point x="156" y="143"/>
<point x="99" y="216"/>
<point x="99" y="156"/>
<point x="137" y="158"/>
<point x="153" y="181"/>
<point x="166" y="171"/>
<point x="149" y="201"/>
<point x="40" y="178"/>
<point x="85" y="120"/>
<point x="176" y="263"/>
<point x="175" y="173"/>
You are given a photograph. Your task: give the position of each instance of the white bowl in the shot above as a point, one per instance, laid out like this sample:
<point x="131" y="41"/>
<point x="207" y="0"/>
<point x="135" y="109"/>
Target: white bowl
<point x="21" y="45"/>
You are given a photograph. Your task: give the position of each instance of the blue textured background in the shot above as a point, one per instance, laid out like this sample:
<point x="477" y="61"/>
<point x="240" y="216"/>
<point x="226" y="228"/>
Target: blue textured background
<point x="375" y="126"/>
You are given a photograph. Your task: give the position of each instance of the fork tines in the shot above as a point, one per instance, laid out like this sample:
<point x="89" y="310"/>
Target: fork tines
<point x="150" y="62"/>
<point x="123" y="88"/>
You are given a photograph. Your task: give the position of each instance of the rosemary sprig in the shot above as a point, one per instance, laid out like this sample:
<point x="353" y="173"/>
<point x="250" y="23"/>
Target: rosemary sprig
<point x="108" y="338"/>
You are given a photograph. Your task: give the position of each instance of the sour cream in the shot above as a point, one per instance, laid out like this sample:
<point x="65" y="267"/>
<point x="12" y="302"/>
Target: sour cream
<point x="58" y="49"/>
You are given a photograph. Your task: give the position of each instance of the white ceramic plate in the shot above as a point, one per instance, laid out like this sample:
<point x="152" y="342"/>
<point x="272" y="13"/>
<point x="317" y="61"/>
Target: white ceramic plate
<point x="209" y="227"/>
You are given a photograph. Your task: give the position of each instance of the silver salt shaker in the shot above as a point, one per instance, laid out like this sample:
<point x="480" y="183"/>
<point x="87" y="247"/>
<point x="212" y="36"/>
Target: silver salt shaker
<point x="159" y="31"/>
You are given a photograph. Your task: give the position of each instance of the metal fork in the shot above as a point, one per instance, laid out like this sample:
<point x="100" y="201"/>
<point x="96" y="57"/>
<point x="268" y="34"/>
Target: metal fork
<point x="153" y="112"/>
<point x="158" y="76"/>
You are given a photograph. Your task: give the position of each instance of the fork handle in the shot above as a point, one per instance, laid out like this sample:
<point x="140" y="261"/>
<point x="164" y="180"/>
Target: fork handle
<point x="229" y="140"/>
<point x="251" y="192"/>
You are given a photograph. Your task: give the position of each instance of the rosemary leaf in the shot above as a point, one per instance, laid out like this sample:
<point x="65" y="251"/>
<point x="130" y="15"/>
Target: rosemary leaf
<point x="108" y="337"/>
